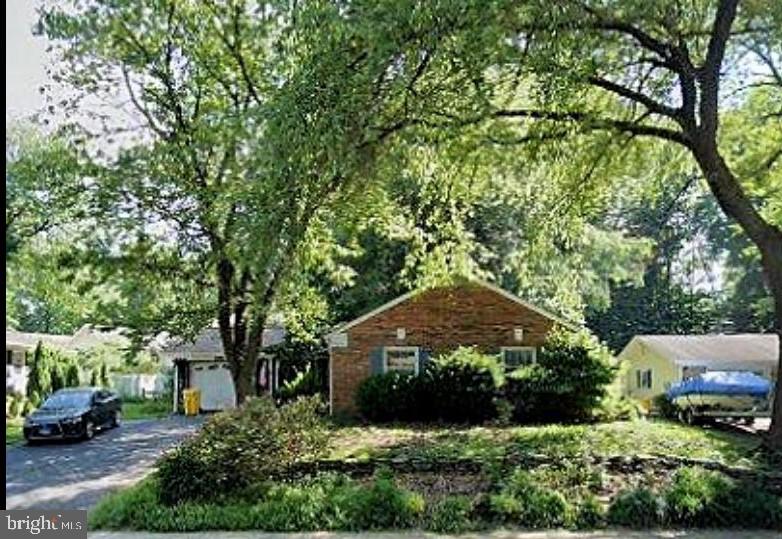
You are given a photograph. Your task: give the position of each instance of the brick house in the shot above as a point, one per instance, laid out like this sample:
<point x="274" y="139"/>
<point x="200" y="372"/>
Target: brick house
<point x="405" y="332"/>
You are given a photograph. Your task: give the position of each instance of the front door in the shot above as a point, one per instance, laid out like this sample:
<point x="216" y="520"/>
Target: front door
<point x="216" y="385"/>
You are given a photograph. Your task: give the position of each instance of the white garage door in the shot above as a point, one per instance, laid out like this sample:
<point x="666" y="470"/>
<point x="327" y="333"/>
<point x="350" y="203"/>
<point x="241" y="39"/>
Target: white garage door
<point x="214" y="381"/>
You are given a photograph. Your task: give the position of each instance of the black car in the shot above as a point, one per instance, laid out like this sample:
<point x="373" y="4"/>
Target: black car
<point x="74" y="413"/>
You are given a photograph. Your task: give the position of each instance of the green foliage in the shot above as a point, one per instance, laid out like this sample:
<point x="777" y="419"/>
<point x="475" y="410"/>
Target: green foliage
<point x="460" y="387"/>
<point x="463" y="386"/>
<point x="384" y="506"/>
<point x="42" y="181"/>
<point x="589" y="514"/>
<point x="639" y="508"/>
<point x="324" y="503"/>
<point x="392" y="396"/>
<point x="665" y="407"/>
<point x="57" y="375"/>
<point x="146" y="408"/>
<point x="104" y="376"/>
<point x="567" y="382"/>
<point x="240" y="447"/>
<point x="95" y="378"/>
<point x="702" y="498"/>
<point x="72" y="375"/>
<point x="521" y="501"/>
<point x="304" y="384"/>
<point x="691" y="498"/>
<point x="451" y="515"/>
<point x="14" y="405"/>
<point x="38" y="378"/>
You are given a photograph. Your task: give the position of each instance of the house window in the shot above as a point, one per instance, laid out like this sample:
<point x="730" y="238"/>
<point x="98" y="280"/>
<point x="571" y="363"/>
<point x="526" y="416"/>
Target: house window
<point x="9" y="357"/>
<point x="643" y="379"/>
<point x="400" y="358"/>
<point x="514" y="357"/>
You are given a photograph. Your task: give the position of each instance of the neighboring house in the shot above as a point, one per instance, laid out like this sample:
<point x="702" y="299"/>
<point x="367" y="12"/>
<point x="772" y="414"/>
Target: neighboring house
<point x="201" y="364"/>
<point x="654" y="362"/>
<point x="406" y="332"/>
<point x="17" y="345"/>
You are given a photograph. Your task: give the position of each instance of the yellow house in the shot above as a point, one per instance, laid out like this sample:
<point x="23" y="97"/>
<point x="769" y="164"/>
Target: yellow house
<point x="651" y="363"/>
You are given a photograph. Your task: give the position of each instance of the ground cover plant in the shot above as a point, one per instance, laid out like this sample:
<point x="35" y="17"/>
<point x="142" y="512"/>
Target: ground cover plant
<point x="448" y="480"/>
<point x="522" y="499"/>
<point x="240" y="447"/>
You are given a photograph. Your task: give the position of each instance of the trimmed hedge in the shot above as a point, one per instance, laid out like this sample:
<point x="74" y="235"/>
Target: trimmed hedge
<point x="567" y="383"/>
<point x="460" y="387"/>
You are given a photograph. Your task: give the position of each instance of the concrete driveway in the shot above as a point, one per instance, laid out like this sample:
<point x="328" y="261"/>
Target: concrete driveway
<point x="75" y="475"/>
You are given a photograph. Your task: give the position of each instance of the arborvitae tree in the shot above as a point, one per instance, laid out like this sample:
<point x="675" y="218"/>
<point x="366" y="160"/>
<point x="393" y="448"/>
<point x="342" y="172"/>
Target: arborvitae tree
<point x="72" y="375"/>
<point x="56" y="373"/>
<point x="38" y="379"/>
<point x="104" y="375"/>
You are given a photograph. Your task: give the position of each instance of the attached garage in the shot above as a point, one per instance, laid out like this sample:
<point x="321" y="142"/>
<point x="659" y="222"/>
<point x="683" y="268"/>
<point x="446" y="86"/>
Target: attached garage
<point x="213" y="378"/>
<point x="201" y="364"/>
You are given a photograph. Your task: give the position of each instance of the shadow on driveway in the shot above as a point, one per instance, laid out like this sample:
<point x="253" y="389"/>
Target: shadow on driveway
<point x="75" y="475"/>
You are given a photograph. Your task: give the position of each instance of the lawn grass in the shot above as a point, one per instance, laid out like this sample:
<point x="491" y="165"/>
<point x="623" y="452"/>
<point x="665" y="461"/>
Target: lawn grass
<point x="13" y="430"/>
<point x="641" y="437"/>
<point x="145" y="409"/>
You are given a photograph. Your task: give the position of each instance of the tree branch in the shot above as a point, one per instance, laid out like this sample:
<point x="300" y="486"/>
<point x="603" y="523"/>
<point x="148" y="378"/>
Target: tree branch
<point x="594" y="122"/>
<point x="651" y="104"/>
<point x="709" y="72"/>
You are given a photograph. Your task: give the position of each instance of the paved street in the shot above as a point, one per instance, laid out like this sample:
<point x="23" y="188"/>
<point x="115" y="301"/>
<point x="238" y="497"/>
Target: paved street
<point x="74" y="475"/>
<point x="501" y="534"/>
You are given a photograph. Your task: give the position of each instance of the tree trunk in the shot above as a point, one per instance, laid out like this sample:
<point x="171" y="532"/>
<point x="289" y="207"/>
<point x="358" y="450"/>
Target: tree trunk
<point x="767" y="237"/>
<point x="772" y="262"/>
<point x="244" y="379"/>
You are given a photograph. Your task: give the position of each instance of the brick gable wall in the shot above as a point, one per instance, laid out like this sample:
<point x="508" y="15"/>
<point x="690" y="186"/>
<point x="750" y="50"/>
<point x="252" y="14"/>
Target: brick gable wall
<point x="437" y="320"/>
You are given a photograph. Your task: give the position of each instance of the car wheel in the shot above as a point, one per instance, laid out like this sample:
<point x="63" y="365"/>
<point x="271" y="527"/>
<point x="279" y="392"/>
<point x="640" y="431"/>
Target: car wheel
<point x="116" y="419"/>
<point x="89" y="430"/>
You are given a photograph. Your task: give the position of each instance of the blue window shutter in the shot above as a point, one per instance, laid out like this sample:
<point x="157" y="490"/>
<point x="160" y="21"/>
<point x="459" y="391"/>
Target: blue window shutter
<point x="376" y="361"/>
<point x="424" y="355"/>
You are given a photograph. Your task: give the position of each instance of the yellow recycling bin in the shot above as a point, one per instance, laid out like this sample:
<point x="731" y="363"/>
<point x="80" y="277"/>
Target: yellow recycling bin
<point x="192" y="400"/>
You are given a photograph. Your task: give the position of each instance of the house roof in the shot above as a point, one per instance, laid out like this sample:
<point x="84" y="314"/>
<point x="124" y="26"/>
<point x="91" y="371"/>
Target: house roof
<point x="208" y="342"/>
<point x="26" y="340"/>
<point x="711" y="349"/>
<point x="404" y="297"/>
<point x="86" y="338"/>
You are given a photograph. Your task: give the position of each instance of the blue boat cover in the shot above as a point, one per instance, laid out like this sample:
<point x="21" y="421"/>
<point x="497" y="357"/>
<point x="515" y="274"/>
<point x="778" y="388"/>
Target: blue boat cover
<point x="722" y="383"/>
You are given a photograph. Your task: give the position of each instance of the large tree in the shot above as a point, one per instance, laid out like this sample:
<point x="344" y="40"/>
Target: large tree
<point x="248" y="123"/>
<point x="635" y="74"/>
<point x="665" y="71"/>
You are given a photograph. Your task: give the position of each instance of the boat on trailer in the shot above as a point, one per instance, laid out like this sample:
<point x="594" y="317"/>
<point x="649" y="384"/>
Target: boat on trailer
<point x="722" y="394"/>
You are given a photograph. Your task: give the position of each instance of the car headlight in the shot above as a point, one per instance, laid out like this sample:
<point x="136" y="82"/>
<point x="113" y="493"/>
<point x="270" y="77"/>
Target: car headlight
<point x="72" y="420"/>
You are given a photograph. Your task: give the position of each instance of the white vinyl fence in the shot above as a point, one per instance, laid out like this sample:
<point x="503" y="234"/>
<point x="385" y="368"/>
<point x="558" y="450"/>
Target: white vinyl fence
<point x="145" y="386"/>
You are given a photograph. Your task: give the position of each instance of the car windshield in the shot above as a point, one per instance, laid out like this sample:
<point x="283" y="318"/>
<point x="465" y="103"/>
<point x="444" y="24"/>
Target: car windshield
<point x="68" y="400"/>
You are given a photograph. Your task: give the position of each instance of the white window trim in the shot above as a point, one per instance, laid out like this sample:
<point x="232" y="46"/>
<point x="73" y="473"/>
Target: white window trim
<point x="640" y="378"/>
<point x="387" y="349"/>
<point x="504" y="349"/>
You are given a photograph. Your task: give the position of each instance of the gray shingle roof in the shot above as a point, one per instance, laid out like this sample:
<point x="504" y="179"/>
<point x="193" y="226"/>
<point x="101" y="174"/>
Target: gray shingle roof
<point x="690" y="349"/>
